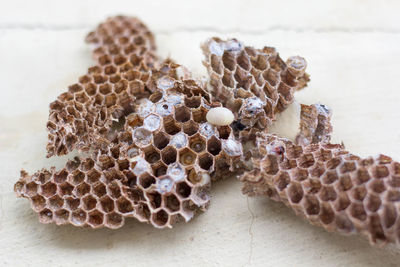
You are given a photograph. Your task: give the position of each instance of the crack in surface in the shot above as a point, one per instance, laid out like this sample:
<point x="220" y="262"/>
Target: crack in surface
<point x="272" y="28"/>
<point x="250" y="231"/>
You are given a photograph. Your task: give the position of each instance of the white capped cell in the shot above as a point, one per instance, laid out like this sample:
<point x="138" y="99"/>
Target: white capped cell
<point x="176" y="172"/>
<point x="179" y="140"/>
<point x="141" y="136"/>
<point x="232" y="147"/>
<point x="165" y="184"/>
<point x="152" y="122"/>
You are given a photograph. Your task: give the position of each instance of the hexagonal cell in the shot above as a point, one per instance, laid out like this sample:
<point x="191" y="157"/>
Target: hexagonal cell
<point x="124" y="205"/>
<point x="160" y="140"/>
<point x="193" y="102"/>
<point x="179" y="140"/>
<point x="168" y="155"/>
<point x="91" y="89"/>
<point x="95" y="218"/>
<point x="99" y="189"/>
<point x="326" y="215"/>
<point x="363" y="176"/>
<point x="206" y="161"/>
<point x="93" y="176"/>
<point x="81" y="97"/>
<point x="214" y="145"/>
<point x="183" y="189"/>
<point x="72" y="203"/>
<point x="65" y="189"/>
<point x="224" y="131"/>
<point x="160" y="218"/>
<point x="295" y="192"/>
<point x="187" y="157"/>
<point x="77" y="177"/>
<point x="154" y="199"/>
<point x="199" y="115"/>
<point x="48" y="190"/>
<point x="114" y="220"/>
<point x="377" y="186"/>
<point x="152" y="155"/>
<point x="110" y="100"/>
<point x="106" y="162"/>
<point x="82" y="189"/>
<point x="123" y="164"/>
<point x="358" y="212"/>
<point x="190" y="128"/>
<point x="141" y="136"/>
<point x="171" y="127"/>
<point x="78" y="217"/>
<point x="182" y="114"/>
<point x="89" y="203"/>
<point x="60" y="176"/>
<point x="105" y="89"/>
<point x="114" y="190"/>
<point x="228" y="80"/>
<point x="31" y="188"/>
<point x="87" y="165"/>
<point x="333" y="163"/>
<point x="46" y="216"/>
<point x="61" y="216"/>
<point x="98" y="100"/>
<point x="44" y="177"/>
<point x="373" y="202"/>
<point x="156" y="96"/>
<point x="152" y="122"/>
<point x="107" y="204"/>
<point x="134" y="194"/>
<point x="327" y="193"/>
<point x="146" y="180"/>
<point x="38" y="202"/>
<point x="381" y="171"/>
<point x="176" y="171"/>
<point x="56" y="202"/>
<point x="172" y="203"/>
<point x="197" y="143"/>
<point x="143" y="212"/>
<point x="159" y="169"/>
<point x="306" y="161"/>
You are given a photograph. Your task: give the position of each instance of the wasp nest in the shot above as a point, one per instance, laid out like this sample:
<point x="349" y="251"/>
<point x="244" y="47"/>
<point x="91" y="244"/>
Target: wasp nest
<point x="326" y="184"/>
<point x="124" y="49"/>
<point x="157" y="168"/>
<point x="254" y="83"/>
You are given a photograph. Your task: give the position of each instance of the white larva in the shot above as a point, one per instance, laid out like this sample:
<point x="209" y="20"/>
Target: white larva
<point x="220" y="116"/>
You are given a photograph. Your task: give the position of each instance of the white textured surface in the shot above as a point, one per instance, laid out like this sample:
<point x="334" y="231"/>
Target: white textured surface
<point x="353" y="53"/>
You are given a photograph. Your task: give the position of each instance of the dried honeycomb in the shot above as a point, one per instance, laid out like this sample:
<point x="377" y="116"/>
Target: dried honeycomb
<point x="254" y="83"/>
<point x="153" y="153"/>
<point x="125" y="53"/>
<point x="326" y="184"/>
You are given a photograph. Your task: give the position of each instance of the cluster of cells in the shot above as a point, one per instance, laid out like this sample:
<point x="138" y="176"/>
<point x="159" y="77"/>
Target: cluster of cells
<point x="329" y="186"/>
<point x="124" y="50"/>
<point x="254" y="83"/>
<point x="153" y="159"/>
<point x="154" y="146"/>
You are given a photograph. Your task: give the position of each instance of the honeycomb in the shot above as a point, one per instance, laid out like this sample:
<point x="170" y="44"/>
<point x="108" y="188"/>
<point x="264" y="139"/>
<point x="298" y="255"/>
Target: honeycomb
<point x="152" y="152"/>
<point x="125" y="53"/>
<point x="326" y="184"/>
<point x="254" y="83"/>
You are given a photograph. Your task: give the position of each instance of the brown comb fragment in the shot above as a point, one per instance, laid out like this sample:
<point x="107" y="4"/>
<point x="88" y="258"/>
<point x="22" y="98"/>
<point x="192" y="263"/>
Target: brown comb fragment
<point x="157" y="166"/>
<point x="125" y="52"/>
<point x="254" y="83"/>
<point x="325" y="184"/>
